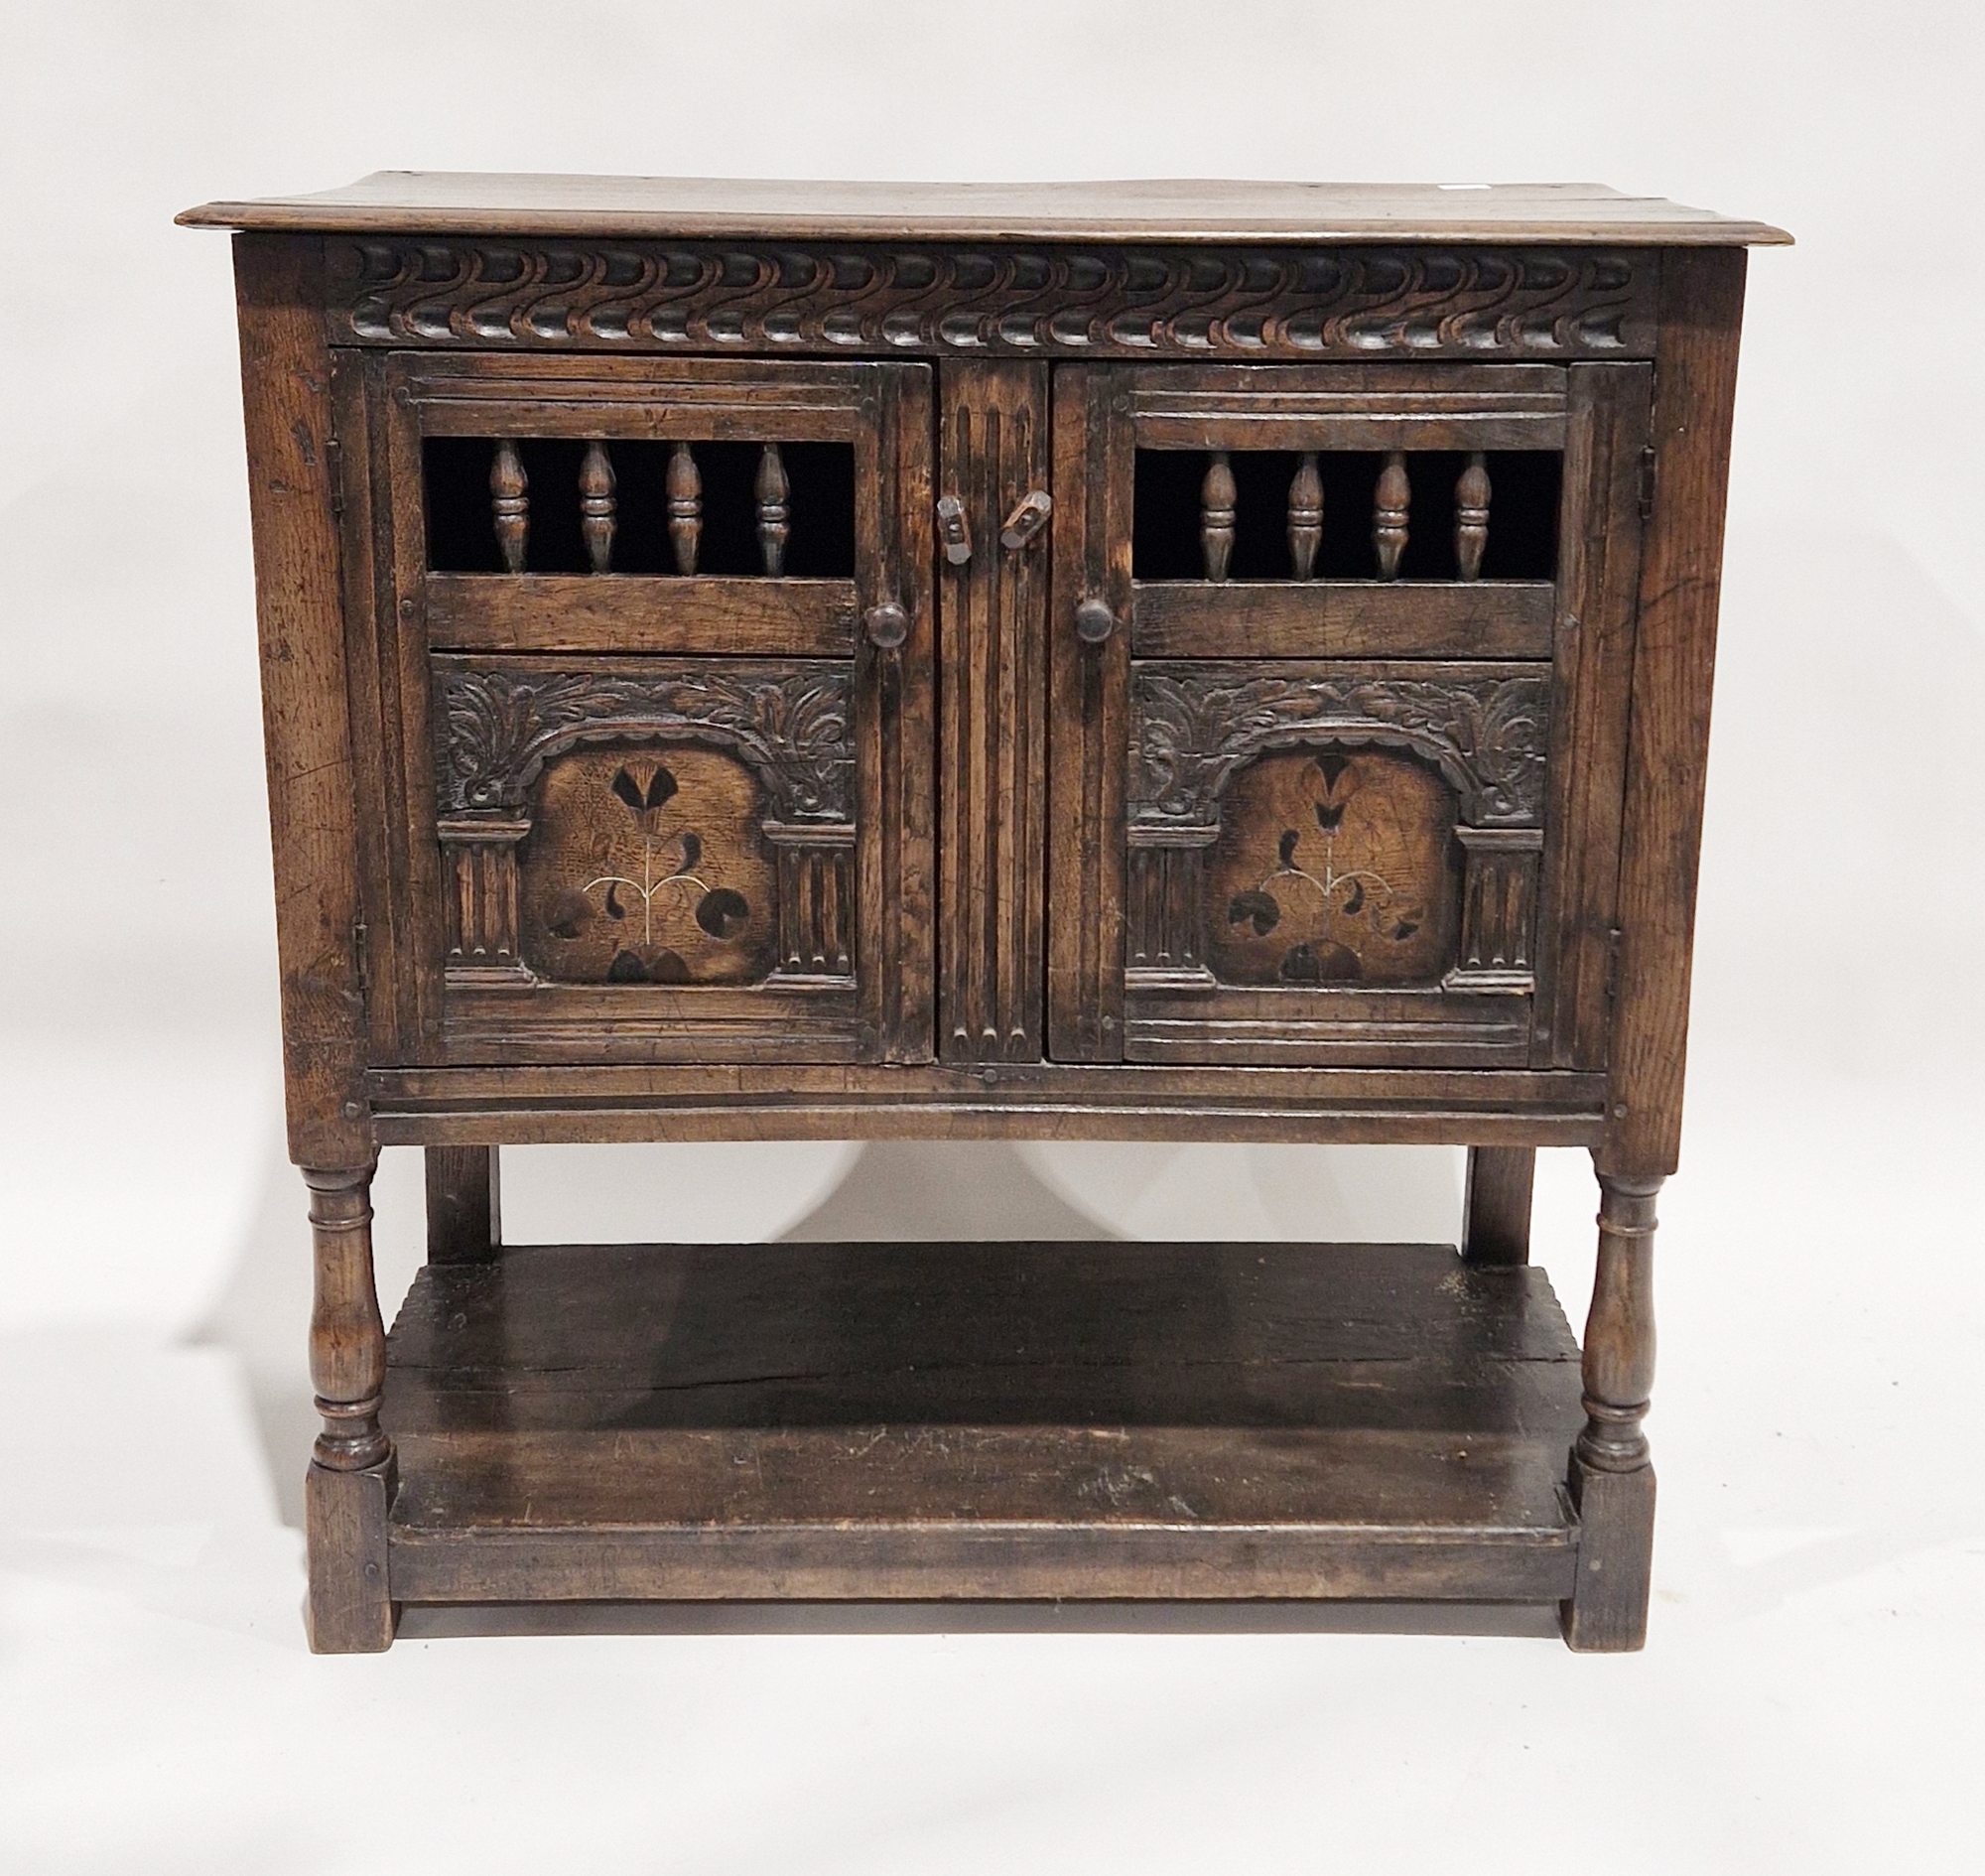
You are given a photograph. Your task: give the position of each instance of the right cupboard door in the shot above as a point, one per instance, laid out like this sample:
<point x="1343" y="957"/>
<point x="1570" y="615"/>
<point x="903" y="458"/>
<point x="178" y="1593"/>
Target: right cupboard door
<point x="1340" y="667"/>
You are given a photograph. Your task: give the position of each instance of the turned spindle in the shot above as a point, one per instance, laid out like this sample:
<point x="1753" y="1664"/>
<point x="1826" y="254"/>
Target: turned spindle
<point x="773" y="491"/>
<point x="595" y="505"/>
<point x="1471" y="516"/>
<point x="348" y="1339"/>
<point x="1619" y="1360"/>
<point x="1305" y="516"/>
<point x="509" y="504"/>
<point x="1216" y="515"/>
<point x="1389" y="504"/>
<point x="685" y="489"/>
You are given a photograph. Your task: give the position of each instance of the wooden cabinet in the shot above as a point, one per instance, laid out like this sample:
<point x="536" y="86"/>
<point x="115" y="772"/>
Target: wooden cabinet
<point x="1214" y="661"/>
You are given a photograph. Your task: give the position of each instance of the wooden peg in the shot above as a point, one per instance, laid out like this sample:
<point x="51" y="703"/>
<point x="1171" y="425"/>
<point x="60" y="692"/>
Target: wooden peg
<point x="509" y="504"/>
<point x="595" y="506"/>
<point x="1305" y="516"/>
<point x="1217" y="497"/>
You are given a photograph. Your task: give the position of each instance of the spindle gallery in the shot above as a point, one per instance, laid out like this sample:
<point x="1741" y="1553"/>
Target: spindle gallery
<point x="1138" y="661"/>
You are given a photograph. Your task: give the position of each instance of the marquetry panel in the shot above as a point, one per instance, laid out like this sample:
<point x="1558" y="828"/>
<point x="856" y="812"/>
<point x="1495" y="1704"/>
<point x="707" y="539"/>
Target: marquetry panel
<point x="1334" y="867"/>
<point x="649" y="867"/>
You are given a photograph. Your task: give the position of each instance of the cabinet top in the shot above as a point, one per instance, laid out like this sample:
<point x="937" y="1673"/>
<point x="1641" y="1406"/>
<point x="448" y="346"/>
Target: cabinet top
<point x="439" y="201"/>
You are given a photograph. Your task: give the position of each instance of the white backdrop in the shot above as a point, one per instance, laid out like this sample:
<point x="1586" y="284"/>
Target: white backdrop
<point x="1807" y="1695"/>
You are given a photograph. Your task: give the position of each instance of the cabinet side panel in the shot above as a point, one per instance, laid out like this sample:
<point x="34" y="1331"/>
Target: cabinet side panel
<point x="993" y="449"/>
<point x="307" y="729"/>
<point x="1600" y="568"/>
<point x="1695" y="382"/>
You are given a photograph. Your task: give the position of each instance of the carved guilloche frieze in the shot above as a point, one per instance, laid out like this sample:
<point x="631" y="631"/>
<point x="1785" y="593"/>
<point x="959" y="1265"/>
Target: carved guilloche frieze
<point x="999" y="299"/>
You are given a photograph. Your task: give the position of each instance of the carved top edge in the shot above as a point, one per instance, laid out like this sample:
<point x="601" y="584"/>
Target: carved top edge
<point x="1031" y="301"/>
<point x="425" y="202"/>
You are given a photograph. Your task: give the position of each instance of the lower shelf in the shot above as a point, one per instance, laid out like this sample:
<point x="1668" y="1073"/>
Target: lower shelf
<point x="948" y="1421"/>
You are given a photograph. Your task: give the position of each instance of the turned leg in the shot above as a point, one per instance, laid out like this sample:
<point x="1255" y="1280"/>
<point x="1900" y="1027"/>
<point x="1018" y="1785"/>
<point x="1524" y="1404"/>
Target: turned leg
<point x="464" y="1204"/>
<point x="1496" y="1214"/>
<point x="1612" y="1482"/>
<point x="351" y="1480"/>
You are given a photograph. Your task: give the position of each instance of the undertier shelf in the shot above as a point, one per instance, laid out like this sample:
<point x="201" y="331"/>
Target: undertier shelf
<point x="981" y="1421"/>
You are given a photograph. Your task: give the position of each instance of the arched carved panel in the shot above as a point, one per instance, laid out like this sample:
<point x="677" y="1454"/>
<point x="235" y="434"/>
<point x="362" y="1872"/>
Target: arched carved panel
<point x="498" y="722"/>
<point x="1334" y="866"/>
<point x="648" y="866"/>
<point x="1195" y="724"/>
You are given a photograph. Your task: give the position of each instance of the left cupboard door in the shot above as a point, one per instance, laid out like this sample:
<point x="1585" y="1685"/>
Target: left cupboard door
<point x="641" y="659"/>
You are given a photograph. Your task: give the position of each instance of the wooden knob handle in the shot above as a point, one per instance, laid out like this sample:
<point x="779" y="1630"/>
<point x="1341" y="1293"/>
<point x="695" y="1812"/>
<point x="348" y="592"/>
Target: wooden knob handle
<point x="1093" y="621"/>
<point x="888" y="624"/>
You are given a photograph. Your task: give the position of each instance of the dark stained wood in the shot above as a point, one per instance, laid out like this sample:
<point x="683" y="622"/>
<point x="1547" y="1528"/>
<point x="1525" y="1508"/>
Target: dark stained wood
<point x="1216" y="515"/>
<point x="307" y="729"/>
<point x="1305" y="516"/>
<point x="993" y="449"/>
<point x="1667" y="752"/>
<point x="1472" y="495"/>
<point x="1390" y="502"/>
<point x="1341" y="619"/>
<point x="351" y="1473"/>
<point x="983" y="1419"/>
<point x="1043" y="852"/>
<point x="432" y="201"/>
<point x="773" y="492"/>
<point x="1088" y="704"/>
<point x="1496" y="1206"/>
<point x="464" y="1204"/>
<point x="595" y="506"/>
<point x="632" y="613"/>
<point x="1599" y="568"/>
<point x="1611" y="1479"/>
<point x="510" y="504"/>
<point x="685" y="506"/>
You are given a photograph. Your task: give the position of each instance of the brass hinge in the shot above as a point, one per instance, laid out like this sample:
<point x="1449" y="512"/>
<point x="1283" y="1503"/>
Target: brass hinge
<point x="358" y="965"/>
<point x="1647" y="482"/>
<point x="334" y="462"/>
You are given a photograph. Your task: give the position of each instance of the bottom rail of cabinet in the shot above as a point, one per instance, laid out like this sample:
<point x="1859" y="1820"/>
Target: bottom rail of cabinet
<point x="945" y="1421"/>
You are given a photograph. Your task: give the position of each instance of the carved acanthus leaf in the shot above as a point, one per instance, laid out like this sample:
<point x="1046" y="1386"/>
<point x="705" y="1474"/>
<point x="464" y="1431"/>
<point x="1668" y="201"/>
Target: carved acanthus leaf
<point x="1026" y="301"/>
<point x="1194" y="724"/>
<point x="499" y="726"/>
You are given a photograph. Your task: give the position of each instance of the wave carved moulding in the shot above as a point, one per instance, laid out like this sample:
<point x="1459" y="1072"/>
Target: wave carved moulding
<point x="997" y="300"/>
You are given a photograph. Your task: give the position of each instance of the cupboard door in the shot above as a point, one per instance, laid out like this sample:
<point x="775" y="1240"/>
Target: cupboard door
<point x="1338" y="722"/>
<point x="654" y="639"/>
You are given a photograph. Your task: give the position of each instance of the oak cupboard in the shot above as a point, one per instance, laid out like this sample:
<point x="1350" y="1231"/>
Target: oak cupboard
<point x="1160" y="660"/>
